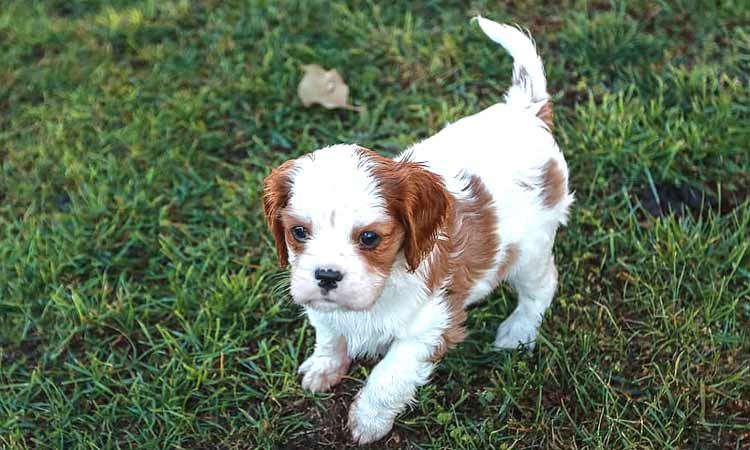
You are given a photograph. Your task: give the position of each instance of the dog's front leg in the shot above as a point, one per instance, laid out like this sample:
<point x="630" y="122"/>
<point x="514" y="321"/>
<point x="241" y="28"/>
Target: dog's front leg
<point x="328" y="363"/>
<point x="390" y="387"/>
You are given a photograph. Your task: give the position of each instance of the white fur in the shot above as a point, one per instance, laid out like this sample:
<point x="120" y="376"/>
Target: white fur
<point x="526" y="92"/>
<point x="506" y="146"/>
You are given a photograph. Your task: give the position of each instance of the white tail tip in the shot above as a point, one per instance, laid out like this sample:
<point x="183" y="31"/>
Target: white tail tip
<point x="529" y="81"/>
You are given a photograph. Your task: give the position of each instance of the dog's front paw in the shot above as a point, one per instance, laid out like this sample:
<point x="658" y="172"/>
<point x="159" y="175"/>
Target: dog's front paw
<point x="367" y="423"/>
<point x="321" y="373"/>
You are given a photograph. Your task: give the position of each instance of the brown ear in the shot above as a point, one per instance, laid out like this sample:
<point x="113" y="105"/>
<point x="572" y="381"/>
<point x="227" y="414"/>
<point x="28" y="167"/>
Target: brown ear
<point x="417" y="197"/>
<point x="423" y="208"/>
<point x="276" y="189"/>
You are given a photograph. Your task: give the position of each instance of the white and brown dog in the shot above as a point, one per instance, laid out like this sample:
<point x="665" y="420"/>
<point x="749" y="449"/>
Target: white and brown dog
<point x="386" y="254"/>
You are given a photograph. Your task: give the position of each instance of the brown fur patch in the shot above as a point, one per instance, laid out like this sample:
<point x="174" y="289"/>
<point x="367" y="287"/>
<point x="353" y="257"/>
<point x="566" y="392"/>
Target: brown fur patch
<point x="464" y="257"/>
<point x="546" y="114"/>
<point x="553" y="184"/>
<point x="381" y="257"/>
<point x="276" y="188"/>
<point x="416" y="197"/>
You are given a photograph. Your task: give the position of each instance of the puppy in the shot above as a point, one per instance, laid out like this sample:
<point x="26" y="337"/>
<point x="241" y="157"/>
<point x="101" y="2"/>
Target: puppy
<point x="386" y="254"/>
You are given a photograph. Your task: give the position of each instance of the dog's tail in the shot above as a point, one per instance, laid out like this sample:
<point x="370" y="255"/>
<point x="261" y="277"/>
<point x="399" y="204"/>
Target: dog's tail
<point x="529" y="88"/>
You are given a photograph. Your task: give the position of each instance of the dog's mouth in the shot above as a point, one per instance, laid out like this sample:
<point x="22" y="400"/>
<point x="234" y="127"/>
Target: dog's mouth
<point x="324" y="304"/>
<point x="323" y="301"/>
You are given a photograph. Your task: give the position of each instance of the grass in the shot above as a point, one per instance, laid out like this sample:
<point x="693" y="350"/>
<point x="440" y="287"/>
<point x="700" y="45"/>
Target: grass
<point x="139" y="297"/>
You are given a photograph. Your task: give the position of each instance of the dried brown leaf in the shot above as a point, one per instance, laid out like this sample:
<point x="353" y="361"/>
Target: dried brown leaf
<point x="324" y="87"/>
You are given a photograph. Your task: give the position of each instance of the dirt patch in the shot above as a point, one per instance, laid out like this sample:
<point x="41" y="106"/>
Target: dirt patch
<point x="665" y="199"/>
<point x="329" y="426"/>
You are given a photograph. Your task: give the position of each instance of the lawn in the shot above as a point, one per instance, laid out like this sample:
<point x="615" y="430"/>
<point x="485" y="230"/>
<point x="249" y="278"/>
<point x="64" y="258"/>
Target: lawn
<point x="140" y="301"/>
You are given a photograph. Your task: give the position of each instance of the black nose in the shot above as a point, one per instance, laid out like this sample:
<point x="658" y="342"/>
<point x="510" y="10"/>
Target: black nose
<point x="328" y="278"/>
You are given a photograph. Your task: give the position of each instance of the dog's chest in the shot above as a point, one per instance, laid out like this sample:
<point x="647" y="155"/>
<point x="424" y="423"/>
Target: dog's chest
<point x="368" y="334"/>
<point x="397" y="314"/>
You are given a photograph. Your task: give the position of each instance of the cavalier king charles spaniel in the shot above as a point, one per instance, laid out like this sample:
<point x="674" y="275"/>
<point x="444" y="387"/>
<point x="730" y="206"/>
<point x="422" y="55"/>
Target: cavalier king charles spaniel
<point x="387" y="254"/>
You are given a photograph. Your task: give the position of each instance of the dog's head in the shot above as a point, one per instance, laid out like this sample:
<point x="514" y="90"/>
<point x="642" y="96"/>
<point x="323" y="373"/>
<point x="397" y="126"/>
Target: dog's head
<point x="344" y="217"/>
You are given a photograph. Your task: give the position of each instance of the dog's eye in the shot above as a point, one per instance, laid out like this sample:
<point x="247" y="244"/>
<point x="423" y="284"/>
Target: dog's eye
<point x="369" y="239"/>
<point x="300" y="233"/>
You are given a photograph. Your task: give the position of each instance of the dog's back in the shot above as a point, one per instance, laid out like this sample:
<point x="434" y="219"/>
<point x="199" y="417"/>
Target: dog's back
<point x="511" y="149"/>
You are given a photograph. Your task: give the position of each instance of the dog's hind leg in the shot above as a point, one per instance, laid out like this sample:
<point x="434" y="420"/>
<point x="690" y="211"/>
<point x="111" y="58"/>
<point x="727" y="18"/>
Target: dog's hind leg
<point x="535" y="281"/>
